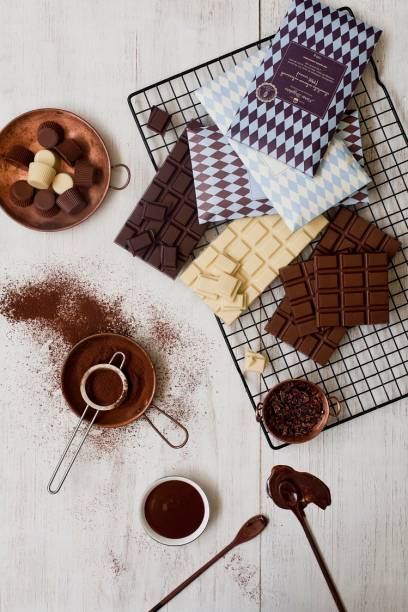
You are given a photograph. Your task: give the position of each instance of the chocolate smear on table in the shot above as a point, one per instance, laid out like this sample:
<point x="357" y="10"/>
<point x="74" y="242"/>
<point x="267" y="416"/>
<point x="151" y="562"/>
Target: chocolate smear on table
<point x="309" y="489"/>
<point x="58" y="308"/>
<point x="294" y="408"/>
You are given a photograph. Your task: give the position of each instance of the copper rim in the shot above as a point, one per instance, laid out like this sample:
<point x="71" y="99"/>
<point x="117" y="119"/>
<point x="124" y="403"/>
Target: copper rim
<point x="103" y="156"/>
<point x="140" y="413"/>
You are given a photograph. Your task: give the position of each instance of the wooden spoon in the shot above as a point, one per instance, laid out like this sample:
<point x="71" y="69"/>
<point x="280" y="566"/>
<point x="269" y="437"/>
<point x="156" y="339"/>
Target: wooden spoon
<point x="248" y="531"/>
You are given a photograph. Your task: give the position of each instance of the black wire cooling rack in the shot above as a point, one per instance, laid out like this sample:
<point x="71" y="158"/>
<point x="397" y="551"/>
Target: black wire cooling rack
<point x="369" y="369"/>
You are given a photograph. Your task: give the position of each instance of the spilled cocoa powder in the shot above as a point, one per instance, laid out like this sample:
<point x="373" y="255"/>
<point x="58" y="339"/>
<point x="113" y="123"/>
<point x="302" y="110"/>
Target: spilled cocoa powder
<point x="58" y="309"/>
<point x="64" y="305"/>
<point x="246" y="576"/>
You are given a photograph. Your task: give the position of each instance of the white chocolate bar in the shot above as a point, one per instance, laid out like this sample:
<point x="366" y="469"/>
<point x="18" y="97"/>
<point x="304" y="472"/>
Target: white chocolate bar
<point x="259" y="246"/>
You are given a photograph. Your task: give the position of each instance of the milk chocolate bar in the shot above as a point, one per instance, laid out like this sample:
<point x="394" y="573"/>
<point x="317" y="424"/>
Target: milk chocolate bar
<point x="351" y="289"/>
<point x="298" y="281"/>
<point x="163" y="229"/>
<point x="348" y="232"/>
<point x="319" y="346"/>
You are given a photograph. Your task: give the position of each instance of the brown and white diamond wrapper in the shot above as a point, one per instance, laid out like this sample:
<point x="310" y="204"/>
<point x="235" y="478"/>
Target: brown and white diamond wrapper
<point x="224" y="188"/>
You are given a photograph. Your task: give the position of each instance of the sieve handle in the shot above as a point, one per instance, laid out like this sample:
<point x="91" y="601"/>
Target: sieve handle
<point x="162" y="434"/>
<point x="55" y="490"/>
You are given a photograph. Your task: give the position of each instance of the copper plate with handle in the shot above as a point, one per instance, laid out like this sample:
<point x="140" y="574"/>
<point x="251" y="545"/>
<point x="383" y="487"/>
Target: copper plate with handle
<point x="23" y="131"/>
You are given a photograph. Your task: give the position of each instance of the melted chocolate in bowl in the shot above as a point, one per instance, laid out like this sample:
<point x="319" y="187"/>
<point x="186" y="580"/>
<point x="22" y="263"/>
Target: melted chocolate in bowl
<point x="174" y="509"/>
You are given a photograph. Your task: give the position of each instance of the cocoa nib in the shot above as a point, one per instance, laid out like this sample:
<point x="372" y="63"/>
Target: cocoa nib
<point x="294" y="408"/>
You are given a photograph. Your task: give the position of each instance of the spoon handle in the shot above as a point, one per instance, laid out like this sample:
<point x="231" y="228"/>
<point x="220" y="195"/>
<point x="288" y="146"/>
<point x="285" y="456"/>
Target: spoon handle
<point x="196" y="574"/>
<point x="321" y="562"/>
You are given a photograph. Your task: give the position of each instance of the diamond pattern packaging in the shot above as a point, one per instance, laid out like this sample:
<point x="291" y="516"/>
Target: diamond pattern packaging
<point x="350" y="131"/>
<point x="299" y="198"/>
<point x="308" y="199"/>
<point x="301" y="89"/>
<point x="224" y="189"/>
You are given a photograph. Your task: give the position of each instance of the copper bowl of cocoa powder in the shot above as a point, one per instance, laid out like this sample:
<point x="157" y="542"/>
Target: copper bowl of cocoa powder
<point x="138" y="369"/>
<point x="296" y="410"/>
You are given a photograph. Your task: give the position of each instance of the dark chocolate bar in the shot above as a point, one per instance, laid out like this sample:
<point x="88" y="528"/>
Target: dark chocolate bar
<point x="351" y="289"/>
<point x="348" y="232"/>
<point x="319" y="346"/>
<point x="163" y="229"/>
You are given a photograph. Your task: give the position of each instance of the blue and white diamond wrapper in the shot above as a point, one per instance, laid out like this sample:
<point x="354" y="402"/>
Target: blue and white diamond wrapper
<point x="297" y="197"/>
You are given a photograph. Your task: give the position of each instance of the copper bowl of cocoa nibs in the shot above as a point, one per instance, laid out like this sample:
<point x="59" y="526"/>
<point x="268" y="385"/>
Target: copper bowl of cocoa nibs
<point x="296" y="410"/>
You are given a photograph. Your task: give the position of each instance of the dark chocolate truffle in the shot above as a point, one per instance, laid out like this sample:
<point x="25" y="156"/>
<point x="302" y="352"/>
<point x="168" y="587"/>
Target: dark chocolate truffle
<point x="21" y="193"/>
<point x="44" y="202"/>
<point x="71" y="201"/>
<point x="49" y="134"/>
<point x="20" y="156"/>
<point x="85" y="174"/>
<point x="158" y="120"/>
<point x="69" y="150"/>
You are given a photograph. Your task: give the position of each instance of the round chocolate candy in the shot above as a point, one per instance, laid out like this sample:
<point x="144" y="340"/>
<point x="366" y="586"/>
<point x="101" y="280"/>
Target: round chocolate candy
<point x="47" y="157"/>
<point x="19" y="156"/>
<point x="71" y="201"/>
<point x="44" y="202"/>
<point x="49" y="134"/>
<point x="40" y="175"/>
<point x="62" y="182"/>
<point x="85" y="174"/>
<point x="69" y="150"/>
<point x="21" y="193"/>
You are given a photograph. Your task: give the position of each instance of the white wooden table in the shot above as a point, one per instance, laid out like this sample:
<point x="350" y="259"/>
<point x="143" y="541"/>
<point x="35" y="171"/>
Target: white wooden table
<point x="84" y="550"/>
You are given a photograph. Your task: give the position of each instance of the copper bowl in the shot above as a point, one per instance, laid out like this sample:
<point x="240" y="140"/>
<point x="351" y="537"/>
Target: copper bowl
<point x="23" y="130"/>
<point x="263" y="415"/>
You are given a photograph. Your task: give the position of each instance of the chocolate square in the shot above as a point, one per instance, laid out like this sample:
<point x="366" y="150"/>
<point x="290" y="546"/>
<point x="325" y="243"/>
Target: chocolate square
<point x="158" y="120"/>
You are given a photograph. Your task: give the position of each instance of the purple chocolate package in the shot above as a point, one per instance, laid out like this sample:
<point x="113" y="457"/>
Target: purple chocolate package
<point x="303" y="86"/>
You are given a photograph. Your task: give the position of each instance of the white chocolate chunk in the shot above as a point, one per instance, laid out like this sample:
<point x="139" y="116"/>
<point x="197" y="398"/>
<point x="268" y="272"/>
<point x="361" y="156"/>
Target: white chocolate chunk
<point x="40" y="175"/>
<point x="238" y="303"/>
<point x="206" y="285"/>
<point x="225" y="264"/>
<point x="254" y="362"/>
<point x="62" y="182"/>
<point x="228" y="285"/>
<point x="44" y="156"/>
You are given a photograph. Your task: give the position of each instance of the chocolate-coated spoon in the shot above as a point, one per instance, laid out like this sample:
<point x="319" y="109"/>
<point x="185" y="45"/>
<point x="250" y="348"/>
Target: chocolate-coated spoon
<point x="249" y="530"/>
<point x="293" y="490"/>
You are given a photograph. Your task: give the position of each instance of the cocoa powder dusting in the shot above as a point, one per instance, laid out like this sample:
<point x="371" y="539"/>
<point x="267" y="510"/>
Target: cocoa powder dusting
<point x="246" y="576"/>
<point x="65" y="305"/>
<point x="59" y="309"/>
<point x="104" y="387"/>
